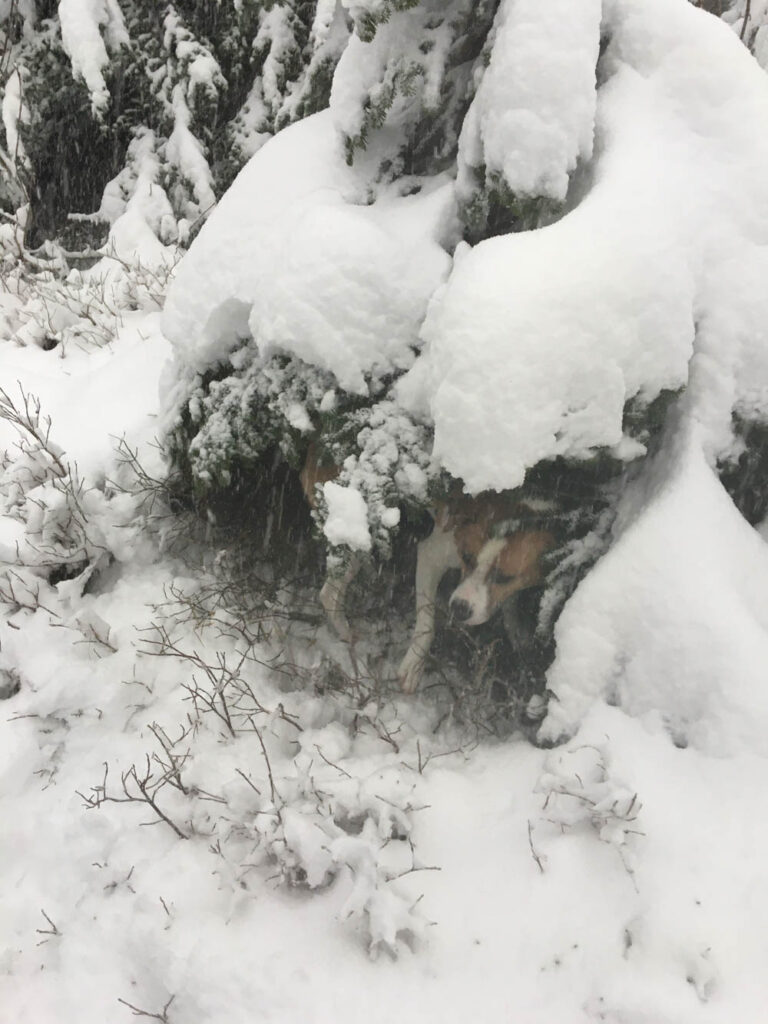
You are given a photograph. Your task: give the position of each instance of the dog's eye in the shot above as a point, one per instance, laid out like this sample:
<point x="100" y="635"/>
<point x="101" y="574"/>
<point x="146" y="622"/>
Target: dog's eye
<point x="500" y="578"/>
<point x="468" y="559"/>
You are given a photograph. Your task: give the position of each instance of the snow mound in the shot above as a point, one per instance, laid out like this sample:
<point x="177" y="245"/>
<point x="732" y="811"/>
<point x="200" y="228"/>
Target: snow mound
<point x="540" y="338"/>
<point x="673" y="622"/>
<point x="293" y="256"/>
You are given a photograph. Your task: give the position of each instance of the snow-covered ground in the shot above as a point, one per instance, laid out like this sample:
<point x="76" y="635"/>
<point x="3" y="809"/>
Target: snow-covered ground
<point x="198" y="826"/>
<point x="616" y="878"/>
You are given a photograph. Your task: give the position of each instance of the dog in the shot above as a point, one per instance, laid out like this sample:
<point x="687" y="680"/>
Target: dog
<point x="495" y="540"/>
<point x="498" y="543"/>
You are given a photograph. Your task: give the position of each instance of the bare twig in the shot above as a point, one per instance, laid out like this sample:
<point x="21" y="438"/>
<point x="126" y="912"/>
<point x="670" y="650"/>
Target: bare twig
<point x="747" y="16"/>
<point x="147" y="786"/>
<point x="330" y="764"/>
<point x="245" y="778"/>
<point x="53" y="930"/>
<point x="137" y="1012"/>
<point x="276" y="799"/>
<point x="534" y="854"/>
<point x="28" y="421"/>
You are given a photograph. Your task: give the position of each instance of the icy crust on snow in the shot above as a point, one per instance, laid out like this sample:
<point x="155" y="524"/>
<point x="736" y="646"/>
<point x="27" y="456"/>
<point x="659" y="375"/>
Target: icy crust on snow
<point x="540" y="338"/>
<point x="533" y="115"/>
<point x="343" y="286"/>
<point x="672" y="623"/>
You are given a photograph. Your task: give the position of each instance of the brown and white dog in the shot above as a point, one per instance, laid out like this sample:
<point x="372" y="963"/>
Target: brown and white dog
<point x="485" y="537"/>
<point x="498" y="555"/>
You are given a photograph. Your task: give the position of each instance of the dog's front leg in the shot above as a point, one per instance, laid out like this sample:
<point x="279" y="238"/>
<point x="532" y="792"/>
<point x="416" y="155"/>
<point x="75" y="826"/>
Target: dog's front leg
<point x="333" y="594"/>
<point x="435" y="556"/>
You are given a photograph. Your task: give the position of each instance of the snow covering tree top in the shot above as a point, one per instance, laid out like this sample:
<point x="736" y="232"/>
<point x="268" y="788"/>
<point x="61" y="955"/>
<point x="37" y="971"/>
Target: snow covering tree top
<point x="290" y="260"/>
<point x="533" y="344"/>
<point x="611" y="302"/>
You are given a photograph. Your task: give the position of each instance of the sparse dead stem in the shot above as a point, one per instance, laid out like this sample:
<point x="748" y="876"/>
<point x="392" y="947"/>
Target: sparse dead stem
<point x="147" y="786"/>
<point x="137" y="1012"/>
<point x="534" y="853"/>
<point x="52" y="930"/>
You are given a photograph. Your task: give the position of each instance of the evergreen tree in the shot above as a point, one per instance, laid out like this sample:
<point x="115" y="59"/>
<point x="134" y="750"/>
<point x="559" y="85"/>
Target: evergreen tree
<point x="89" y="87"/>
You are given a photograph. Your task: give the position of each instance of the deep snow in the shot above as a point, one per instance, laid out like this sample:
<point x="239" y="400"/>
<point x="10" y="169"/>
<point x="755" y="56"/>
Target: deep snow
<point x="617" y="878"/>
<point x="341" y="857"/>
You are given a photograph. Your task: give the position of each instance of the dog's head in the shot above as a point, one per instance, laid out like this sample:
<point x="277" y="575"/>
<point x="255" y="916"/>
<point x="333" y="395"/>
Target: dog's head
<point x="494" y="568"/>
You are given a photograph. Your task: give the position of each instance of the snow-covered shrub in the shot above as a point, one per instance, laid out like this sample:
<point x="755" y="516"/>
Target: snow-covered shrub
<point x="531" y="122"/>
<point x="280" y="345"/>
<point x="383" y="454"/>
<point x="47" y="534"/>
<point x="319" y="289"/>
<point x="626" y="319"/>
<point x="58" y="531"/>
<point x="61" y="124"/>
<point x="276" y="406"/>
<point x="305" y="788"/>
<point x="62" y="298"/>
<point x="743" y="470"/>
<point x="229" y="425"/>
<point x="405" y="80"/>
<point x="579" y="789"/>
<point x="350" y="830"/>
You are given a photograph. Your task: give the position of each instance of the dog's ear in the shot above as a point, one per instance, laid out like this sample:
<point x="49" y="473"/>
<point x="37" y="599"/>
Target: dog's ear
<point x="456" y="514"/>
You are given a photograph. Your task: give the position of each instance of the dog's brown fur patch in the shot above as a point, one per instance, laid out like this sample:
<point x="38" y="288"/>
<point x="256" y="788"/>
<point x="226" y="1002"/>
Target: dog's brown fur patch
<point x="315" y="471"/>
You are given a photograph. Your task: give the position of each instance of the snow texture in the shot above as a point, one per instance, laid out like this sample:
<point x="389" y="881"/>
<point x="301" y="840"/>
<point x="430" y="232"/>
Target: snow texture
<point x="534" y="343"/>
<point x="671" y="624"/>
<point x="13" y="112"/>
<point x="90" y="30"/>
<point x="404" y="65"/>
<point x="317" y="273"/>
<point x="347" y="521"/>
<point x="136" y="195"/>
<point x="540" y="338"/>
<point x="618" y="878"/>
<point x="564" y="324"/>
<point x="185" y="152"/>
<point x="533" y="115"/>
<point x="200" y="72"/>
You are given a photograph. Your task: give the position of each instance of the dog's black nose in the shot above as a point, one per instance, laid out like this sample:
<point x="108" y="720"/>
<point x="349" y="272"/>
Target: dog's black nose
<point x="461" y="610"/>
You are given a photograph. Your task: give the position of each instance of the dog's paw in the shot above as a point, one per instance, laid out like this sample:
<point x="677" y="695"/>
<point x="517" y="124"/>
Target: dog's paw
<point x="411" y="670"/>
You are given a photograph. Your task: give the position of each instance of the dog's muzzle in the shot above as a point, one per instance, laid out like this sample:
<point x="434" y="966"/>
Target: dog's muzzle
<point x="461" y="610"/>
